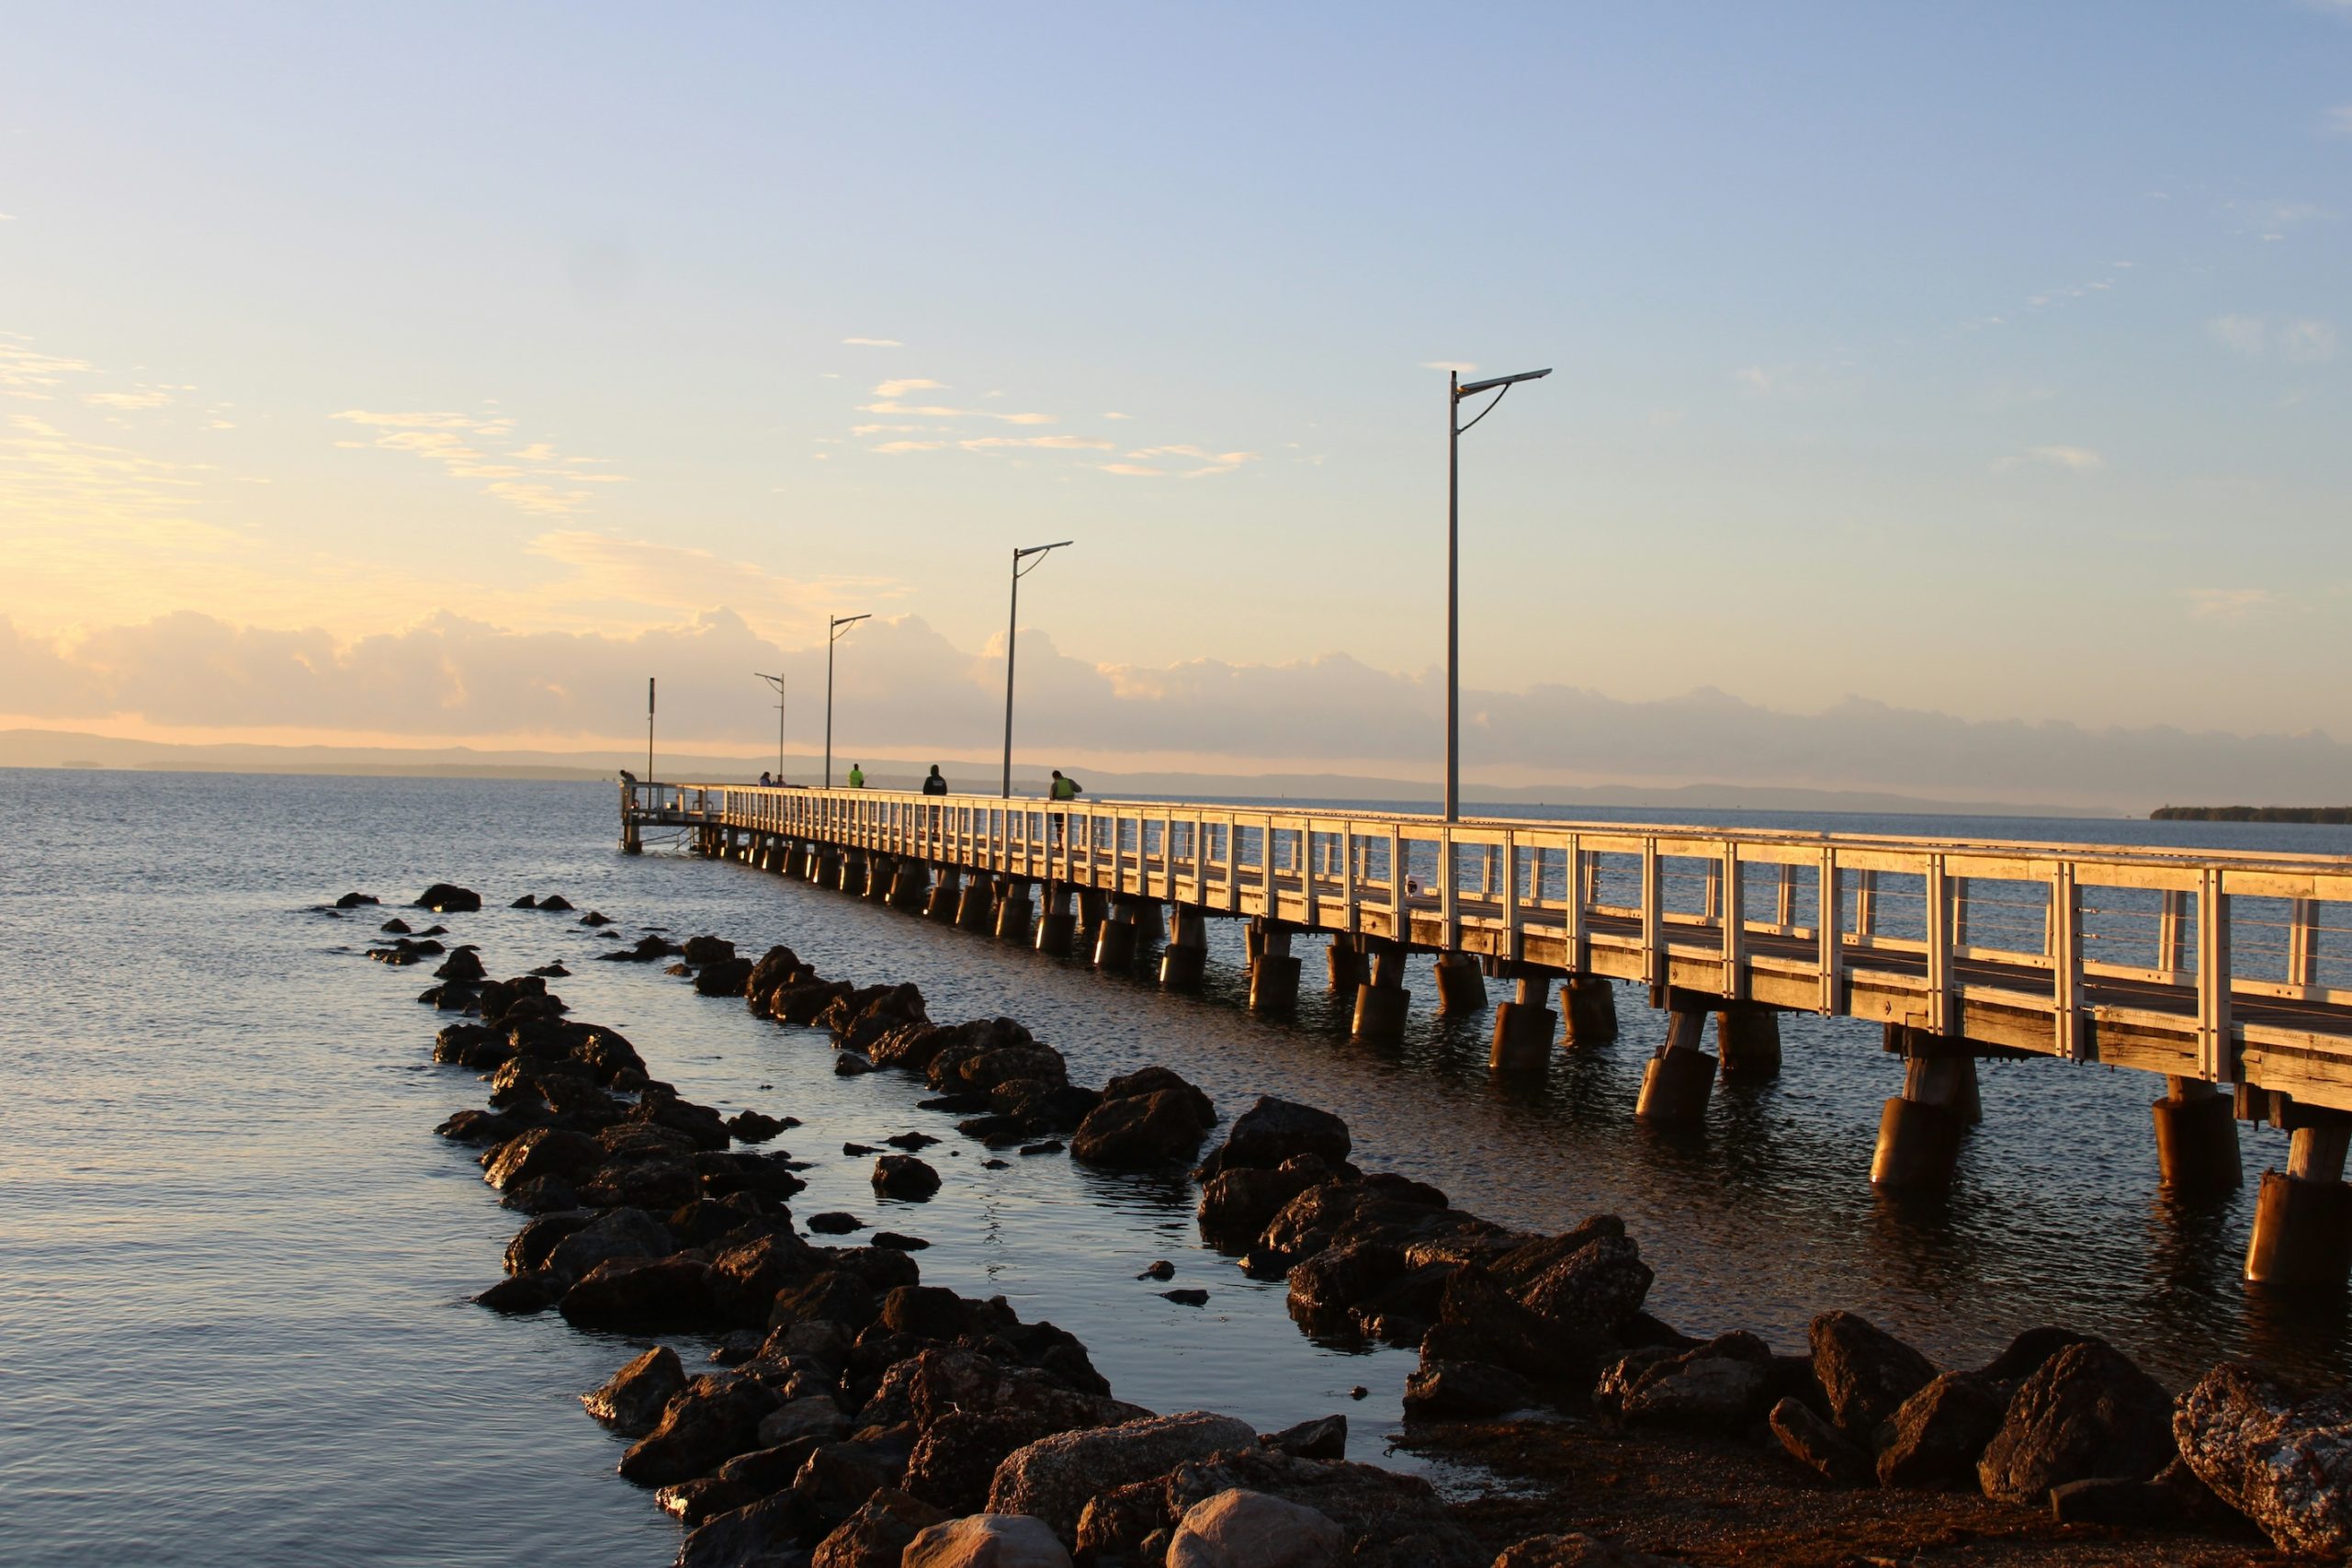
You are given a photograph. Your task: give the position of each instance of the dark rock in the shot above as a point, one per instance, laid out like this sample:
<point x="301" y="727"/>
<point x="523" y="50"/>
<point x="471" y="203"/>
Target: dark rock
<point x="1720" y="1386"/>
<point x="954" y="1104"/>
<point x="996" y="1165"/>
<point x="858" y="1151"/>
<point x="1379" y="1506"/>
<point x="1477" y="1320"/>
<point x="525" y="902"/>
<point x="1865" y="1373"/>
<point x="354" y="900"/>
<point x="2088" y="1412"/>
<point x="850" y="1063"/>
<point x="835" y="1223"/>
<point x="463" y="964"/>
<point x="897" y="1243"/>
<point x="905" y="1178"/>
<point x="1162" y="1269"/>
<point x="632" y="1400"/>
<point x="542" y="1151"/>
<point x="751" y="1127"/>
<point x="956" y="1456"/>
<point x="642" y="1295"/>
<point x="1274" y="1131"/>
<point x="595" y="918"/>
<point x="1049" y="1146"/>
<point x="527" y="1253"/>
<point x="1115" y="1523"/>
<point x="396" y="927"/>
<point x="693" y="1503"/>
<point x="555" y="903"/>
<point x="2025" y="1354"/>
<point x="838" y="1479"/>
<point x="1142" y="1130"/>
<point x="483" y="1127"/>
<point x="764" y="1471"/>
<point x="928" y="1311"/>
<point x="1820" y="1447"/>
<point x="620" y="1233"/>
<point x="911" y="1141"/>
<point x="1054" y="1477"/>
<point x="2280" y="1457"/>
<point x="701" y="950"/>
<point x="712" y="1420"/>
<point x="1008" y="1063"/>
<point x="815" y="1417"/>
<point x="766" y="1534"/>
<point x="1239" y="1202"/>
<point x="447" y="898"/>
<point x="835" y="1296"/>
<point x="1190" y="1298"/>
<point x="1938" y="1434"/>
<point x="726" y="978"/>
<point x="876" y="1535"/>
<point x="1596" y="1287"/>
<point x="747" y="1278"/>
<point x="1325" y="1286"/>
<point x="801" y="1002"/>
<point x="1160" y="1080"/>
<point x="520" y="1295"/>
<point x="1465" y="1390"/>
<point x="1578" y="1550"/>
<point x="540" y="1195"/>
<point x="1324" y="1439"/>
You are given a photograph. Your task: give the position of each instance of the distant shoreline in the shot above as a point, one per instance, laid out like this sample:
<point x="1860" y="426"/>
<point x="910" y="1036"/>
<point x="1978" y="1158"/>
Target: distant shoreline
<point x="2334" y="814"/>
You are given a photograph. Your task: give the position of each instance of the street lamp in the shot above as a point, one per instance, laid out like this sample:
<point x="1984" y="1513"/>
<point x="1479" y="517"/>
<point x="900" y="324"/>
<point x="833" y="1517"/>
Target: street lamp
<point x="1011" y="628"/>
<point x="834" y="635"/>
<point x="1501" y="385"/>
<point x="777" y="681"/>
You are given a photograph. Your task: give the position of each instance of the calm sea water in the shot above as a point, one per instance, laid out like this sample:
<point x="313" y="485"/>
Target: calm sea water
<point x="236" y="1262"/>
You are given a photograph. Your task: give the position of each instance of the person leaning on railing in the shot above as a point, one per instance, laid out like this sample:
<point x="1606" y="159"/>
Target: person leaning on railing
<point x="1061" y="789"/>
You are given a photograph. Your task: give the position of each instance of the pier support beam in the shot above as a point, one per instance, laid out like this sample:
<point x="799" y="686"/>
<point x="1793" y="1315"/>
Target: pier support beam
<point x="630" y="843"/>
<point x="1590" y="1004"/>
<point x="2302" y="1220"/>
<point x="1349" y="969"/>
<point x="1012" y="914"/>
<point x="1382" y="1001"/>
<point x="825" y="867"/>
<point x="1461" y="988"/>
<point x="2197" y="1139"/>
<point x="855" y="871"/>
<point x="881" y="877"/>
<point x="976" y="911"/>
<point x="1748" y="1037"/>
<point x="1151" y="921"/>
<point x="1678" y="1080"/>
<point x="910" y="885"/>
<point x="1524" y="1026"/>
<point x="1273" y="973"/>
<point x="946" y="895"/>
<point x="1115" y="939"/>
<point x="797" y="860"/>
<point x="1185" y="958"/>
<point x="1057" y="927"/>
<point x="1094" y="907"/>
<point x="1920" y="1130"/>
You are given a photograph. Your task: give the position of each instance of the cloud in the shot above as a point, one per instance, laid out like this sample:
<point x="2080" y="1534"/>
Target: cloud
<point x="2307" y="342"/>
<point x="145" y="398"/>
<point x="909" y="447"/>
<point x="27" y="373"/>
<point x="2337" y="122"/>
<point x="2228" y="603"/>
<point x="874" y="343"/>
<point x="520" y="475"/>
<point x="880" y="429"/>
<point x="911" y="384"/>
<point x="2074" y="460"/>
<point x="1208" y="462"/>
<point x="934" y="410"/>
<point x="2240" y="334"/>
<point x="2302" y="340"/>
<point x="1050" y="442"/>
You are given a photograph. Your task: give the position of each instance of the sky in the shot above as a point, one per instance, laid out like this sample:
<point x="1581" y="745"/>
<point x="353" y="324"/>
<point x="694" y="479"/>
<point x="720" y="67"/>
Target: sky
<point x="436" y="373"/>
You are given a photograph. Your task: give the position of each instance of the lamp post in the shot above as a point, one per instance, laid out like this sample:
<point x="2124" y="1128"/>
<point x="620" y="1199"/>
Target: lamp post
<point x="1012" y="628"/>
<point x="1454" y="429"/>
<point x="777" y="681"/>
<point x="834" y="635"/>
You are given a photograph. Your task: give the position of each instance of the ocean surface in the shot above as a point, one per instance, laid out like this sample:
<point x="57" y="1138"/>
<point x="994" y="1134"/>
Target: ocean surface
<point x="235" y="1263"/>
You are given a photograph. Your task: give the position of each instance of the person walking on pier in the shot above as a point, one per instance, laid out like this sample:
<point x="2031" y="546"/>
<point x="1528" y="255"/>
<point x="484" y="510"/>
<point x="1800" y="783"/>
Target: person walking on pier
<point x="1061" y="789"/>
<point x="856" y="776"/>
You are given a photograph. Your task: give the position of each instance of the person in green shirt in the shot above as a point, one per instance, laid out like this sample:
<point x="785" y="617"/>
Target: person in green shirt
<point x="856" y="776"/>
<point x="1060" y="789"/>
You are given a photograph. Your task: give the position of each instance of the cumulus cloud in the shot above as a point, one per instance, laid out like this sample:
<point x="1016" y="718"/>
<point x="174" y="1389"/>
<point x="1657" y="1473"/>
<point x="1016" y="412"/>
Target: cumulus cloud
<point x="533" y="478"/>
<point x="911" y="384"/>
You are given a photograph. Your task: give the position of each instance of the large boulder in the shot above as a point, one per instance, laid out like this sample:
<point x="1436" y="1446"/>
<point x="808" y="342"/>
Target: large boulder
<point x="1720" y="1386"/>
<point x="2279" y="1456"/>
<point x="904" y="1176"/>
<point x="1820" y="1447"/>
<point x="632" y="1400"/>
<point x="1865" y="1373"/>
<point x="775" y="967"/>
<point x="1140" y="1130"/>
<point x="1239" y="1529"/>
<point x="702" y="950"/>
<point x="2088" y="1412"/>
<point x="619" y="1233"/>
<point x="1236" y="1203"/>
<point x="449" y="898"/>
<point x="1326" y="1287"/>
<point x="1477" y="1320"/>
<point x="1374" y="1506"/>
<point x="987" y="1540"/>
<point x="714" y="1419"/>
<point x="1445" y="1391"/>
<point x="766" y="1534"/>
<point x="1938" y="1434"/>
<point x="727" y="978"/>
<point x="1274" y="1131"/>
<point x="542" y="1151"/>
<point x="1052" y="1477"/>
<point x="956" y="1460"/>
<point x="642" y="1295"/>
<point x="1383" y="1208"/>
<point x="878" y="1533"/>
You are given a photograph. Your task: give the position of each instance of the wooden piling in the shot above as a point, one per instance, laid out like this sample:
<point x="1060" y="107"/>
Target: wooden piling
<point x="2303" y="1217"/>
<point x="1920" y="1130"/>
<point x="1185" y="958"/>
<point x="1678" y="1080"/>
<point x="1012" y="914"/>
<point x="1348" y="967"/>
<point x="1748" y="1037"/>
<point x="1589" y="1003"/>
<point x="1057" y="927"/>
<point x="1461" y="986"/>
<point x="2197" y="1139"/>
<point x="1524" y="1027"/>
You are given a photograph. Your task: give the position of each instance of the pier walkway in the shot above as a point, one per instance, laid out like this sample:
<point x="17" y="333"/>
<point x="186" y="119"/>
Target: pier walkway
<point x="2213" y="968"/>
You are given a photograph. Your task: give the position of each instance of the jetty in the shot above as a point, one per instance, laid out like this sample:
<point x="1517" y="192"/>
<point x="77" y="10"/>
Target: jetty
<point x="2205" y="967"/>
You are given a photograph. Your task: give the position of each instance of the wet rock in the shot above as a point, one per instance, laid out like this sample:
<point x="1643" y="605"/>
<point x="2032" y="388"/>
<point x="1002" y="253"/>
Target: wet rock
<point x="463" y="964"/>
<point x="1239" y="1202"/>
<point x="1326" y="1285"/>
<point x="2276" y="1454"/>
<point x="354" y="900"/>
<point x="2025" y="1354"/>
<point x="1820" y="1447"/>
<point x="1048" y="1146"/>
<point x="815" y="1416"/>
<point x="642" y="1295"/>
<point x="911" y="1141"/>
<point x="800" y="1002"/>
<point x="1274" y="1131"/>
<point x="595" y="918"/>
<point x="653" y="1184"/>
<point x="1324" y="1439"/>
<point x="1477" y="1320"/>
<point x="1382" y="1506"/>
<point x="1052" y="1477"/>
<point x="1938" y="1434"/>
<point x="850" y="1063"/>
<point x="878" y="1533"/>
<point x="1577" y="1551"/>
<point x="1116" y="1522"/>
<point x="996" y="1165"/>
<point x="747" y="1278"/>
<point x="896" y="1242"/>
<point x="958" y="1452"/>
<point x="1007" y="1062"/>
<point x="542" y="1151"/>
<point x="752" y="1127"/>
<point x="702" y="950"/>
<point x="1865" y="1373"/>
<point x="712" y="1420"/>
<point x="632" y="1400"/>
<point x="526" y="901"/>
<point x="839" y="1478"/>
<point x="540" y="1195"/>
<point x="766" y="1534"/>
<point x="555" y="904"/>
<point x="449" y="898"/>
<point x="834" y="1222"/>
<point x="927" y="1312"/>
<point x="1722" y="1385"/>
<point x="2088" y="1412"/>
<point x="835" y="1296"/>
<point x="520" y="1295"/>
<point x="1187" y="1297"/>
<point x="726" y="978"/>
<point x="1162" y="1269"/>
<point x="529" y="1252"/>
<point x="693" y="1503"/>
<point x="1595" y="1286"/>
<point x="479" y="1127"/>
<point x="1239" y="1529"/>
<point x="1465" y="1390"/>
<point x="664" y="1107"/>
<point x="987" y="1540"/>
<point x="905" y="1178"/>
<point x="622" y="1233"/>
<point x="1159" y="1080"/>
<point x="396" y="927"/>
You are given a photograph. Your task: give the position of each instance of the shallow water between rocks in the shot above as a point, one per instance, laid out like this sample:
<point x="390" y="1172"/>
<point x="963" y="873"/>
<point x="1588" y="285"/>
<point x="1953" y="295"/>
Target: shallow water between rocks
<point x="237" y="1263"/>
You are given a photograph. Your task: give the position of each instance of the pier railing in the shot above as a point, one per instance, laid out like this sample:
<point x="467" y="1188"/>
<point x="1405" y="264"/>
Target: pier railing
<point x="2208" y="964"/>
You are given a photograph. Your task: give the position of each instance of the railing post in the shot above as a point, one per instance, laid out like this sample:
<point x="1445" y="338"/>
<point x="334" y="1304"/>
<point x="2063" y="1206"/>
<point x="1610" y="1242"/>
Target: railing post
<point x="1828" y="929"/>
<point x="2213" y="1022"/>
<point x="1938" y="894"/>
<point x="1572" y="923"/>
<point x="1654" y="965"/>
<point x="1735" y="921"/>
<point x="2303" y="941"/>
<point x="2066" y="958"/>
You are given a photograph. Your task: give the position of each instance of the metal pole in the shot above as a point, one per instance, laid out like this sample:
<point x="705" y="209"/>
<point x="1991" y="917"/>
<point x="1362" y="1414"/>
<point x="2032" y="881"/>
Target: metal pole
<point x="1011" y="629"/>
<point x="779" y="730"/>
<point x="649" y="729"/>
<point x="829" y="638"/>
<point x="1453" y="596"/>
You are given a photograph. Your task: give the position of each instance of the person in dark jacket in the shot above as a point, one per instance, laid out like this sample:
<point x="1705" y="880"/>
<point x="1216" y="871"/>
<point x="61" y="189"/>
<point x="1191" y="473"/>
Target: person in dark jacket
<point x="934" y="785"/>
